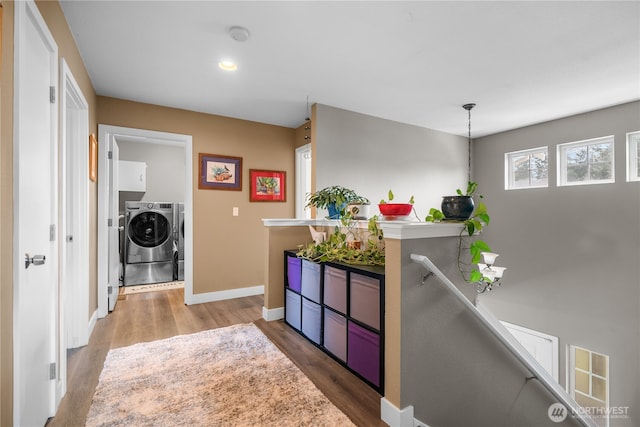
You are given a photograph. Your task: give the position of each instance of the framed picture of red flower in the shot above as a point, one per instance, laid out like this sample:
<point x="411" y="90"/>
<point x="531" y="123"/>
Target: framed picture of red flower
<point x="267" y="186"/>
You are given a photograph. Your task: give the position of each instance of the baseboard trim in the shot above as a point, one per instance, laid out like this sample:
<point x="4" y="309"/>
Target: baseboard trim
<point x="395" y="417"/>
<point x="224" y="295"/>
<point x="271" y="314"/>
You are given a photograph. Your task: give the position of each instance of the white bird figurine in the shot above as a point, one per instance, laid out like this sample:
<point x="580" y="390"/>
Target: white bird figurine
<point x="317" y="236"/>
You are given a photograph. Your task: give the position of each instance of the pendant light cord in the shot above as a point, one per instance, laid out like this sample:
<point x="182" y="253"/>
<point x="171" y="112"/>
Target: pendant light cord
<point x="468" y="107"/>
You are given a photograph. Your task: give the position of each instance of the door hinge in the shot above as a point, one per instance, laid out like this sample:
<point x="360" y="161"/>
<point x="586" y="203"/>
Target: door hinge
<point x="52" y="94"/>
<point x="52" y="233"/>
<point x="52" y="371"/>
<point x="110" y="155"/>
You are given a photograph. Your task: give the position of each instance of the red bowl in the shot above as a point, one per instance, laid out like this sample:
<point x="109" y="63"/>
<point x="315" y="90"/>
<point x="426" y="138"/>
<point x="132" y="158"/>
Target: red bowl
<point x="395" y="209"/>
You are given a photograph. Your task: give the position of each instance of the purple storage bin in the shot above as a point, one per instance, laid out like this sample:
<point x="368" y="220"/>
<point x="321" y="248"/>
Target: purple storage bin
<point x="335" y="334"/>
<point x="311" y="320"/>
<point x="294" y="272"/>
<point x="364" y="353"/>
<point x="310" y="282"/>
<point x="335" y="288"/>
<point x="365" y="300"/>
<point x="293" y="309"/>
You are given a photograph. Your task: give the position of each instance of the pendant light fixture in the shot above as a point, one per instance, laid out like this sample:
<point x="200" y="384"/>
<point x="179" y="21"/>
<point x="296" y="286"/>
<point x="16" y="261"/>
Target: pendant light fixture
<point x="307" y="126"/>
<point x="468" y="107"/>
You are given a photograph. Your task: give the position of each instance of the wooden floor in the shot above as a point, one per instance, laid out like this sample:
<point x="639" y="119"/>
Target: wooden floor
<point x="156" y="315"/>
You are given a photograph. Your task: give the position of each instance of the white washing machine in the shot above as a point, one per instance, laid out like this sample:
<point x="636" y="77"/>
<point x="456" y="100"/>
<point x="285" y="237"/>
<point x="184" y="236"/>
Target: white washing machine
<point x="148" y="246"/>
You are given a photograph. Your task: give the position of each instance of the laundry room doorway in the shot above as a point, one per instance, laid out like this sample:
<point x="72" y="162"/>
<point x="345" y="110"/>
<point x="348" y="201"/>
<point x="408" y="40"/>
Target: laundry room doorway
<point x="137" y="150"/>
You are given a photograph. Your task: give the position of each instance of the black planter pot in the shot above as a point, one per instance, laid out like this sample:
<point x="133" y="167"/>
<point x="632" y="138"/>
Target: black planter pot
<point x="457" y="207"/>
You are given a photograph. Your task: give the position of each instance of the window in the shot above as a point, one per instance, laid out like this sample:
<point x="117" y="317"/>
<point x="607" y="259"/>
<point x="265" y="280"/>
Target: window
<point x="527" y="169"/>
<point x="633" y="156"/>
<point x="586" y="162"/>
<point x="589" y="383"/>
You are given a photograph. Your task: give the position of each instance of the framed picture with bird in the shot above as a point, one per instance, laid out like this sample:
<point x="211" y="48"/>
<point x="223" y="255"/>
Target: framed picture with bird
<point x="217" y="172"/>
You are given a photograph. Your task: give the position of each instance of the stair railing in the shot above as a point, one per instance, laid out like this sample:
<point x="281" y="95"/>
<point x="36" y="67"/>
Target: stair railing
<point x="514" y="347"/>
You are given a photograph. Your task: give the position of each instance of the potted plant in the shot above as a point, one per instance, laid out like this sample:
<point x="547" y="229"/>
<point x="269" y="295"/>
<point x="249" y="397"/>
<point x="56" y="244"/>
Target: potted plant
<point x="339" y="246"/>
<point x="474" y="223"/>
<point x="394" y="210"/>
<point x="335" y="199"/>
<point x="460" y="206"/>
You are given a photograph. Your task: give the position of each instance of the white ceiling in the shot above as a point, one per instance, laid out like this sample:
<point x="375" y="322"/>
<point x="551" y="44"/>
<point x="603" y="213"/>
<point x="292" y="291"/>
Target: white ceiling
<point x="414" y="62"/>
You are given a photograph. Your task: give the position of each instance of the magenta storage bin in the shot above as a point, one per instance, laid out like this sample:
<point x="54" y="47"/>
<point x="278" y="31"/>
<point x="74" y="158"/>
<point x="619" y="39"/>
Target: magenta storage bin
<point x="335" y="288"/>
<point x="293" y="309"/>
<point x="311" y="318"/>
<point x="294" y="272"/>
<point x="365" y="300"/>
<point x="310" y="282"/>
<point x="335" y="334"/>
<point x="364" y="353"/>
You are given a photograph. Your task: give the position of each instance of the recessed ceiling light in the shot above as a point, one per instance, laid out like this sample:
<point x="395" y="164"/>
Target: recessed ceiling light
<point x="228" y="65"/>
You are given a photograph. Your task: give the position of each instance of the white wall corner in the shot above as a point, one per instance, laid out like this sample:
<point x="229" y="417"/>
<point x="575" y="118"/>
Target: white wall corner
<point x="395" y="417"/>
<point x="270" y="314"/>
<point x="92" y="323"/>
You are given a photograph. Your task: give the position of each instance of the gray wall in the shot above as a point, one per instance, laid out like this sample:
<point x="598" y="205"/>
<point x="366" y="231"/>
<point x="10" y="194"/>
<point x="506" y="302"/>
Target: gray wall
<point x="454" y="371"/>
<point x="572" y="253"/>
<point x="165" y="171"/>
<point x="372" y="155"/>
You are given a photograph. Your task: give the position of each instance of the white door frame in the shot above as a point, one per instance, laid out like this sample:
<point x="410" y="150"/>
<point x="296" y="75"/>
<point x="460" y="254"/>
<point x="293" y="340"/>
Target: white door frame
<point x="303" y="180"/>
<point x="26" y="11"/>
<point x="107" y="133"/>
<point x="75" y="327"/>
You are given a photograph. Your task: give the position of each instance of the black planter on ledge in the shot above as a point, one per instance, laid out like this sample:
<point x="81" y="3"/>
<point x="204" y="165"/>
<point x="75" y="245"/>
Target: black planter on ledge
<point x="457" y="207"/>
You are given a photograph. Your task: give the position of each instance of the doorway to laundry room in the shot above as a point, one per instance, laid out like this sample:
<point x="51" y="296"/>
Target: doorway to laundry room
<point x="151" y="212"/>
<point x="144" y="211"/>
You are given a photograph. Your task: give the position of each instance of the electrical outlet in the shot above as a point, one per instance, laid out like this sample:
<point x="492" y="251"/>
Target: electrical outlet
<point x="235" y="211"/>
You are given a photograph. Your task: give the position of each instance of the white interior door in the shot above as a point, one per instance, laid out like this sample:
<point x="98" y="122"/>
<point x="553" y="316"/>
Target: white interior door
<point x="35" y="216"/>
<point x="114" y="228"/>
<point x="74" y="256"/>
<point x="543" y="347"/>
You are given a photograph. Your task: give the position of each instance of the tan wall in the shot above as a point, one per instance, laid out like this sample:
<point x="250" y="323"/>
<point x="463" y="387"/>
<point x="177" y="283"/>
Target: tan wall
<point x="52" y="14"/>
<point x="6" y="216"/>
<point x="228" y="251"/>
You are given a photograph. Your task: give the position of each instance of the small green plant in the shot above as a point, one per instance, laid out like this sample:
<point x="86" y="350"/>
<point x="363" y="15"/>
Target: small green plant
<point x="471" y="190"/>
<point x="338" y="248"/>
<point x="337" y="197"/>
<point x="390" y="198"/>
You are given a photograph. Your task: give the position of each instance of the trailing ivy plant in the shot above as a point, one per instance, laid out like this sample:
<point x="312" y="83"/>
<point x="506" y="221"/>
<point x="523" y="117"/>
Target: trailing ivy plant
<point x="338" y="248"/>
<point x="474" y="224"/>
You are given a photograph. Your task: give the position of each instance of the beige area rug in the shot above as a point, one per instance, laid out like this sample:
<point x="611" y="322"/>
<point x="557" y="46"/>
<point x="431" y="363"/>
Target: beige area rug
<point x="126" y="290"/>
<point x="230" y="376"/>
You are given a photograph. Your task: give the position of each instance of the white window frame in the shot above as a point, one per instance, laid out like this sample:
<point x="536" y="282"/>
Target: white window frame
<point x="562" y="160"/>
<point x="633" y="153"/>
<point x="509" y="180"/>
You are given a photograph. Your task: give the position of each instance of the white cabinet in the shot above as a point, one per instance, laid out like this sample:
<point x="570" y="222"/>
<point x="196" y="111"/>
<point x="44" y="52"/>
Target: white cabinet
<point x="133" y="176"/>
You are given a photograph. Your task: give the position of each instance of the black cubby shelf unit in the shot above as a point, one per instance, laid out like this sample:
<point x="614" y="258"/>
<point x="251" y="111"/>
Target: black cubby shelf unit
<point x="340" y="309"/>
